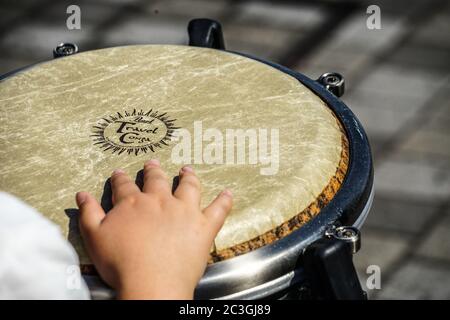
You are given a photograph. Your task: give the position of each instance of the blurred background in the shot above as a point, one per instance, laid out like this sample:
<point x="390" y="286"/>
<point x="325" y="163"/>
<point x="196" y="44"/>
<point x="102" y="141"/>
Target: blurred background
<point x="397" y="81"/>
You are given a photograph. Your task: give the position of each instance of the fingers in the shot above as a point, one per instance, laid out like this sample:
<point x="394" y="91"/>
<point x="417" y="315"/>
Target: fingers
<point x="218" y="210"/>
<point x="91" y="213"/>
<point x="155" y="180"/>
<point x="122" y="185"/>
<point x="188" y="189"/>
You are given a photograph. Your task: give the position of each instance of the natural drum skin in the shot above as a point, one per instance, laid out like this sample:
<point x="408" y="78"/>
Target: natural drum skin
<point x="67" y="123"/>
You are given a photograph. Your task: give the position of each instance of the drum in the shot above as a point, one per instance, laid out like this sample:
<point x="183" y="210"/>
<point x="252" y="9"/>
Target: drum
<point x="296" y="158"/>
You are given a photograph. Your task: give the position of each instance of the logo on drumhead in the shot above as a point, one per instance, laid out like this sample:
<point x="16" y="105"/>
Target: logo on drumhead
<point x="134" y="132"/>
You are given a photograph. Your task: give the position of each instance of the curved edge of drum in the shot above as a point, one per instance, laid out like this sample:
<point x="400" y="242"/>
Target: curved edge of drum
<point x="275" y="286"/>
<point x="363" y="216"/>
<point x="14" y="72"/>
<point x="273" y="266"/>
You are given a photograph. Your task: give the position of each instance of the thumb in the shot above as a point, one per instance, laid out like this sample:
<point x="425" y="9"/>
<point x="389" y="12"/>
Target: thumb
<point x="218" y="210"/>
<point x="91" y="213"/>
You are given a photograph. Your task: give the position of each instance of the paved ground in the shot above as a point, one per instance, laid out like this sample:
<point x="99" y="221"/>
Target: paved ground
<point x="397" y="84"/>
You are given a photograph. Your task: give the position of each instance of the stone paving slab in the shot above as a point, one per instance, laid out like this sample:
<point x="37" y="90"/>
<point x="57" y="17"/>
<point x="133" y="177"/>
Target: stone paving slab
<point x="91" y="12"/>
<point x="394" y="81"/>
<point x="437" y="242"/>
<point x="412" y="178"/>
<point x="395" y="8"/>
<point x="38" y="39"/>
<point x="423" y="56"/>
<point x="254" y="40"/>
<point x="9" y="15"/>
<point x="381" y="251"/>
<point x="434" y="33"/>
<point x="390" y="212"/>
<point x="346" y="63"/>
<point x="391" y="96"/>
<point x="428" y="141"/>
<point x="21" y="4"/>
<point x="380" y="115"/>
<point x="393" y="245"/>
<point x="142" y="30"/>
<point x="354" y="36"/>
<point x="439" y="119"/>
<point x="289" y="17"/>
<point x="194" y="9"/>
<point x="418" y="279"/>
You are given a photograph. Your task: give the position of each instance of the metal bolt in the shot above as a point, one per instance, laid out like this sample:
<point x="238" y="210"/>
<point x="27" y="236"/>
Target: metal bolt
<point x="331" y="79"/>
<point x="65" y="49"/>
<point x="349" y="234"/>
<point x="333" y="82"/>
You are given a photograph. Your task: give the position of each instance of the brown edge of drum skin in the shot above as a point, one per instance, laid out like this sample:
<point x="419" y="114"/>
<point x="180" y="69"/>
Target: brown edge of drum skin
<point x="297" y="221"/>
<point x="287" y="227"/>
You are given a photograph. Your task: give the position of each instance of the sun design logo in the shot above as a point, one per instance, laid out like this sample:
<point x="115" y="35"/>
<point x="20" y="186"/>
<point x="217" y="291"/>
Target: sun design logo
<point x="134" y="132"/>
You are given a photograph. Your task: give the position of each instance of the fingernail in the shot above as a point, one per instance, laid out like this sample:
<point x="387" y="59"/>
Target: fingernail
<point x="153" y="162"/>
<point x="80" y="198"/>
<point x="118" y="171"/>
<point x="187" y="169"/>
<point x="227" y="192"/>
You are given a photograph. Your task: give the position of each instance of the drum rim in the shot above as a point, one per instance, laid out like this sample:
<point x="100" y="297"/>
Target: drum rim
<point x="294" y="278"/>
<point x="281" y="259"/>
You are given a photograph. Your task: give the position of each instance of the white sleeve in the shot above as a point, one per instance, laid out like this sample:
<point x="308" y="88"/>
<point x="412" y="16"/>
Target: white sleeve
<point x="36" y="262"/>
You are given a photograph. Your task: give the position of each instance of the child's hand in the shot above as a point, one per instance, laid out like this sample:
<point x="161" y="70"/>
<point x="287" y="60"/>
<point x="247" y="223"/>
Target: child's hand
<point x="152" y="244"/>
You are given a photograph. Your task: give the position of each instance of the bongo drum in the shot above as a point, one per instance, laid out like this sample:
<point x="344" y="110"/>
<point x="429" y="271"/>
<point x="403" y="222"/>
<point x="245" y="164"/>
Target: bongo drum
<point x="296" y="158"/>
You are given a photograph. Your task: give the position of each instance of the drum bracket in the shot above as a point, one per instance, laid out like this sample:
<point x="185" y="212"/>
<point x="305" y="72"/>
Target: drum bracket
<point x="205" y="33"/>
<point x="333" y="82"/>
<point x="328" y="263"/>
<point x="64" y="50"/>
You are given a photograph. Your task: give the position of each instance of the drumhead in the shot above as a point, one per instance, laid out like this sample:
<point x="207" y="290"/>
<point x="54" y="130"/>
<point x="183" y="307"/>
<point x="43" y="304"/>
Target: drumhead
<point x="242" y="125"/>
